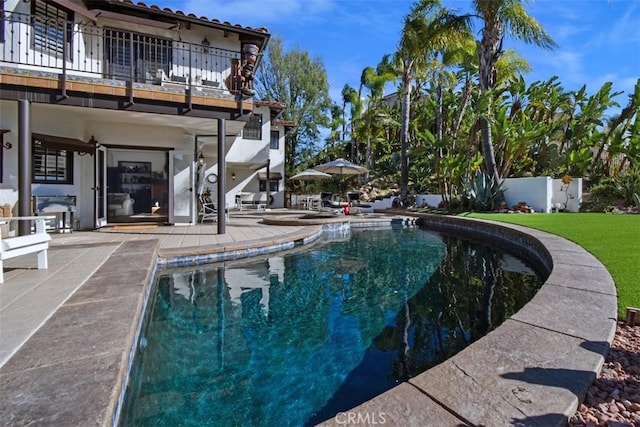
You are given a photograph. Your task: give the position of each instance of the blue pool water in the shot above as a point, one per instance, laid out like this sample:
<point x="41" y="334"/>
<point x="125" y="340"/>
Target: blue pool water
<point x="296" y="338"/>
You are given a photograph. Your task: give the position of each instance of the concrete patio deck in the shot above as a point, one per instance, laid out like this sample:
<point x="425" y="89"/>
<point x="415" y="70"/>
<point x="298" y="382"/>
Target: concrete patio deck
<point x="66" y="333"/>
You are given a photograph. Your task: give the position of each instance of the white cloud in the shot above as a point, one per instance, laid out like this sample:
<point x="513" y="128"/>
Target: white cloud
<point x="621" y="31"/>
<point x="626" y="85"/>
<point x="570" y="64"/>
<point x="568" y="31"/>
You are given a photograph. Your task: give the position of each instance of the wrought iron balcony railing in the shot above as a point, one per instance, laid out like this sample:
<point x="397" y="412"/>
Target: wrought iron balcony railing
<point x="88" y="50"/>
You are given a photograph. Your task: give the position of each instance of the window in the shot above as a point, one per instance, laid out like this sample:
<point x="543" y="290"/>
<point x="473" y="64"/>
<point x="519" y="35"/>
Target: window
<point x="51" y="165"/>
<point x="253" y="128"/>
<point x="273" y="185"/>
<point x="149" y="54"/>
<point x="51" y="26"/>
<point x="274" y="181"/>
<point x="275" y="140"/>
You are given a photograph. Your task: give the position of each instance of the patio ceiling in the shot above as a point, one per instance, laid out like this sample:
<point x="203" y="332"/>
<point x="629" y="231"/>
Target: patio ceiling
<point x="187" y="125"/>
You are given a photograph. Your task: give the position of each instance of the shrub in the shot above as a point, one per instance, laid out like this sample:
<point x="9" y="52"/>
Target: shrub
<point x="628" y="184"/>
<point x="603" y="196"/>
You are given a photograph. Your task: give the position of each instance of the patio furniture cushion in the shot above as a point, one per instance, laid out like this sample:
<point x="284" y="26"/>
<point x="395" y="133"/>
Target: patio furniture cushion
<point x="120" y="204"/>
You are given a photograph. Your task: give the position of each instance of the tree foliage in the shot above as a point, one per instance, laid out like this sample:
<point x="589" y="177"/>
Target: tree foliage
<point x="301" y="83"/>
<point x="428" y="29"/>
<point x="450" y="102"/>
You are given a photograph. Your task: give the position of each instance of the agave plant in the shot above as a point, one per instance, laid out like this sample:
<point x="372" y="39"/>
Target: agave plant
<point x="483" y="190"/>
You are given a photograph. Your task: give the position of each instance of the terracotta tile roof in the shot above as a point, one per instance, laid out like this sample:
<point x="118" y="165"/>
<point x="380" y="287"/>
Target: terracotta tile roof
<point x="272" y="104"/>
<point x="276" y="108"/>
<point x="286" y="123"/>
<point x="202" y="19"/>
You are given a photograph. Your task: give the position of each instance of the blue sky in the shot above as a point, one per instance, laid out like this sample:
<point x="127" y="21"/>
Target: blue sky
<point x="598" y="40"/>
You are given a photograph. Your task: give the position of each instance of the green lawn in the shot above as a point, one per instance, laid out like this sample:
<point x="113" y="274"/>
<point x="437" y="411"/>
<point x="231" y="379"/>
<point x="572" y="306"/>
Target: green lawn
<point x="613" y="239"/>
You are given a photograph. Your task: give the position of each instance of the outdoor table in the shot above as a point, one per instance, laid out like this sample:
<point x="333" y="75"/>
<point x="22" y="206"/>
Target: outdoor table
<point x="56" y="205"/>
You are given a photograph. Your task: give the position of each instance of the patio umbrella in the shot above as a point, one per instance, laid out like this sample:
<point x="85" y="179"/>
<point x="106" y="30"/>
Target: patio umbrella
<point x="307" y="176"/>
<point x="341" y="167"/>
<point x="310" y="175"/>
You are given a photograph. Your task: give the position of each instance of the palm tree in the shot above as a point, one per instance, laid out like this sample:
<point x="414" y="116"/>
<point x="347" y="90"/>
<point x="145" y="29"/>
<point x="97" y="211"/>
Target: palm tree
<point x="499" y="17"/>
<point x="374" y="116"/>
<point x="375" y="80"/>
<point x="428" y="29"/>
<point x="348" y="94"/>
<point x="464" y="56"/>
<point x="337" y="120"/>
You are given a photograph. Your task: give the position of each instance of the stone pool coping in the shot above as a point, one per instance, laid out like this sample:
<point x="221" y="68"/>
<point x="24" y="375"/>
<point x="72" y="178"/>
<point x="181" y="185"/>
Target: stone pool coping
<point x="533" y="369"/>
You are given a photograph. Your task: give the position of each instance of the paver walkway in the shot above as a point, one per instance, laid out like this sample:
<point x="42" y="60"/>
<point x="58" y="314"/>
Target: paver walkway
<point x="29" y="296"/>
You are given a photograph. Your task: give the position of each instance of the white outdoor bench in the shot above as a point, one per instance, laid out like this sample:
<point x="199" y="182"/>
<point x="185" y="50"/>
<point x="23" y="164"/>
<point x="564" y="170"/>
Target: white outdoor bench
<point x="250" y="200"/>
<point x="23" y="245"/>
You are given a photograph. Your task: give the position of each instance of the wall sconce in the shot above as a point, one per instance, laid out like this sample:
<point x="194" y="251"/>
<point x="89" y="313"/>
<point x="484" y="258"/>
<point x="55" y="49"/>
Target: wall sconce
<point x="233" y="176"/>
<point x="200" y="159"/>
<point x="205" y="45"/>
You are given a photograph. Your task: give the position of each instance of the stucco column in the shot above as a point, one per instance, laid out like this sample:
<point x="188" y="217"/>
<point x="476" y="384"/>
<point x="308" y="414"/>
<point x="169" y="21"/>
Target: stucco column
<point x="222" y="171"/>
<point x="268" y="205"/>
<point x="24" y="165"/>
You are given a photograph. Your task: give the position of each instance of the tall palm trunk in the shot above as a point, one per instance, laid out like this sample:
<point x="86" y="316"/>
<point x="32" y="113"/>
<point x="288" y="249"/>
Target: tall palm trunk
<point x="343" y="136"/>
<point x="498" y="15"/>
<point x="369" y="160"/>
<point x="439" y="133"/>
<point x="490" y="49"/>
<point x="404" y="134"/>
<point x="466" y="94"/>
<point x="439" y="125"/>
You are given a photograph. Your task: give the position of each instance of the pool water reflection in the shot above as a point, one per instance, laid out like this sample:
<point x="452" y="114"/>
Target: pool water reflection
<point x="295" y="339"/>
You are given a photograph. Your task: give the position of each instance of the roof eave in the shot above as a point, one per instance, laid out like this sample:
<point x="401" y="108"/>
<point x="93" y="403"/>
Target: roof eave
<point x="246" y="34"/>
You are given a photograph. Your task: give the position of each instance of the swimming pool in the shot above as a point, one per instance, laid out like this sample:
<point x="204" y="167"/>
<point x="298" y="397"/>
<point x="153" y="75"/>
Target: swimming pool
<point x="296" y="338"/>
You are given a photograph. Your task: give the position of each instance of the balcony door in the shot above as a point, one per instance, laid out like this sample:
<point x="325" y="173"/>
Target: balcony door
<point x="100" y="186"/>
<point x="130" y="54"/>
<point x="183" y="209"/>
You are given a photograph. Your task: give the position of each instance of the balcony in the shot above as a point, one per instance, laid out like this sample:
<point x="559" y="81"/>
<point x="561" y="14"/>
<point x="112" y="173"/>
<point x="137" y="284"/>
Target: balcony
<point x="82" y="57"/>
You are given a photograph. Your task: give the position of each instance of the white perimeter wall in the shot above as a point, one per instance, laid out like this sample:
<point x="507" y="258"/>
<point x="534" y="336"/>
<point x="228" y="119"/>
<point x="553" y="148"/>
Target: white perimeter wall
<point x="535" y="192"/>
<point x="541" y="193"/>
<point x="544" y="193"/>
<point x="568" y="197"/>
